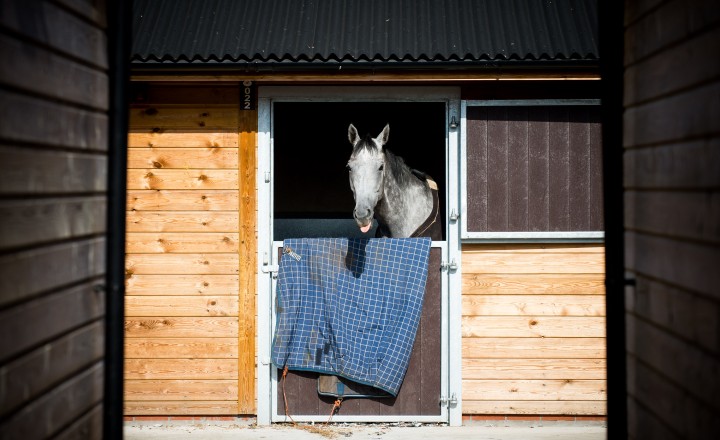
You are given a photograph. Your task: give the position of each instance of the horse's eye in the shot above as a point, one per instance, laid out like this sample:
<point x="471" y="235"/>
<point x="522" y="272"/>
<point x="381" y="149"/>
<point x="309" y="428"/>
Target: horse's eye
<point x="382" y="167"/>
<point x="347" y="167"/>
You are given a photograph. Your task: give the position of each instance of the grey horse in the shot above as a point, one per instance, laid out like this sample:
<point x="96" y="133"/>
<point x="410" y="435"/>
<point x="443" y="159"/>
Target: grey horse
<point x="403" y="200"/>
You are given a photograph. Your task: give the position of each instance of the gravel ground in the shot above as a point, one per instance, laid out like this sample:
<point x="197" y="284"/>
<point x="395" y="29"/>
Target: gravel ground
<point x="159" y="431"/>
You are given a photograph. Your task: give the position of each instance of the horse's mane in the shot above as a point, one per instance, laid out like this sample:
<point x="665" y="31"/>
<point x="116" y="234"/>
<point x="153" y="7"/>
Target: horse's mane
<point x="402" y="172"/>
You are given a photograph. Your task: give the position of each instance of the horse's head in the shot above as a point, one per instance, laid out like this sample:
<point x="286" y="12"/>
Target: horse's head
<point x="366" y="168"/>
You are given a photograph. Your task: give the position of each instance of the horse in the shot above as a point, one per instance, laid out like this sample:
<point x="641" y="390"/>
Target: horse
<point x="403" y="200"/>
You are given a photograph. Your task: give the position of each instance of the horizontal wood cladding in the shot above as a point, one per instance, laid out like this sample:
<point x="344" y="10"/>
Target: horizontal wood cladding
<point x="186" y="252"/>
<point x="533" y="169"/>
<point x="672" y="207"/>
<point x="182" y="221"/>
<point x="181" y="348"/>
<point x="183" y="200"/>
<point x="533" y="329"/>
<point x="53" y="159"/>
<point x="185" y="407"/>
<point x="28" y="222"/>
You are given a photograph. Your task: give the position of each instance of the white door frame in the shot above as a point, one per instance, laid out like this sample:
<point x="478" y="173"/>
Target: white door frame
<point x="451" y="380"/>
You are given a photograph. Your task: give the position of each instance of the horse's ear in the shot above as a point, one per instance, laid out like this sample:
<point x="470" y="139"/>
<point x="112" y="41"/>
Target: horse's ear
<point x="384" y="136"/>
<point x="353" y="136"/>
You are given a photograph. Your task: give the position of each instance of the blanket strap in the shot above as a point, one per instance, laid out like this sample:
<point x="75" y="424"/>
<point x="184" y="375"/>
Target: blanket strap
<point x="335" y="408"/>
<point x="287" y="411"/>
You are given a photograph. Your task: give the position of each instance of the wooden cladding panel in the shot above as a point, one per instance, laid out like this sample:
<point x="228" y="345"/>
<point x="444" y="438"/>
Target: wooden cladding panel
<point x="190" y="242"/>
<point x="533" y="169"/>
<point x="183" y="158"/>
<point x="53" y="159"/>
<point x="533" y="329"/>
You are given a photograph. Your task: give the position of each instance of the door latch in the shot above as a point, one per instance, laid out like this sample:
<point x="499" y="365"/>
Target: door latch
<point x="448" y="401"/>
<point x="267" y="267"/>
<point x="450" y="267"/>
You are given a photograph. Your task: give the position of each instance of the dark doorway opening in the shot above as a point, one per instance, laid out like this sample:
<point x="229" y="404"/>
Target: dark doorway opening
<point x="312" y="196"/>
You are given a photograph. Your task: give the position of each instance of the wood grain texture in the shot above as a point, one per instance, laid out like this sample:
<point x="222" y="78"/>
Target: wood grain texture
<point x="181" y="327"/>
<point x="210" y="242"/>
<point x="182" y="221"/>
<point x="57" y="407"/>
<point x="535" y="407"/>
<point x="200" y="179"/>
<point x="530" y="305"/>
<point x="28" y="171"/>
<point x="54" y="96"/>
<point x="180" y="369"/>
<point x="192" y="389"/>
<point x="491" y="262"/>
<point x="181" y="305"/>
<point x="59" y="312"/>
<point x="533" y="168"/>
<point x="180" y="264"/>
<point x="180" y="348"/>
<point x="24" y="65"/>
<point x="186" y="285"/>
<point x="193" y="118"/>
<point x="533" y="284"/>
<point x="247" y="251"/>
<point x="178" y="138"/>
<point x="182" y="200"/>
<point x="526" y="389"/>
<point x="533" y="348"/>
<point x="182" y="158"/>
<point x="40" y="369"/>
<point x="31" y="222"/>
<point x="533" y="328"/>
<point x="182" y="407"/>
<point x="523" y="369"/>
<point x="58" y="125"/>
<point x="27" y="273"/>
<point x="51" y="25"/>
<point x="187" y="238"/>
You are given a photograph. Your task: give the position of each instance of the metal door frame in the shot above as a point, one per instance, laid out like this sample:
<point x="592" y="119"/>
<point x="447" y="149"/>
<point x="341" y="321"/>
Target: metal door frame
<point x="451" y="381"/>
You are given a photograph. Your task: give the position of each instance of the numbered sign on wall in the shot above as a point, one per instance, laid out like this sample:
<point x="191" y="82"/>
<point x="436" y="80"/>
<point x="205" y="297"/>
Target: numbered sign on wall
<point x="248" y="96"/>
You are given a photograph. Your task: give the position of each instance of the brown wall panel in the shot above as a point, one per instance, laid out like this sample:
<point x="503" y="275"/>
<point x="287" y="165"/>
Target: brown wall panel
<point x="53" y="158"/>
<point x="533" y="168"/>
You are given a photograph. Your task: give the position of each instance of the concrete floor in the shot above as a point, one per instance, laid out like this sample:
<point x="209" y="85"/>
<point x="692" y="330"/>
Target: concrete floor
<point x="158" y="431"/>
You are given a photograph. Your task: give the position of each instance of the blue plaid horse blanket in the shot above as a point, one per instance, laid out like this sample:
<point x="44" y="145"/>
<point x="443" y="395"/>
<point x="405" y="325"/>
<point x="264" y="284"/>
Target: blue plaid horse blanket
<point x="350" y="307"/>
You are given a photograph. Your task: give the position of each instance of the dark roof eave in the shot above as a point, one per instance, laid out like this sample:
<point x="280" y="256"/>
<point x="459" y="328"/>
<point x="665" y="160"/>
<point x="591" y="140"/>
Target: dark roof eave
<point x="255" y="67"/>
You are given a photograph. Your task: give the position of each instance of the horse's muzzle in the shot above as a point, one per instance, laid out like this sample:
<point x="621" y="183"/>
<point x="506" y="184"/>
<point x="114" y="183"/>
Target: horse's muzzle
<point x="364" y="218"/>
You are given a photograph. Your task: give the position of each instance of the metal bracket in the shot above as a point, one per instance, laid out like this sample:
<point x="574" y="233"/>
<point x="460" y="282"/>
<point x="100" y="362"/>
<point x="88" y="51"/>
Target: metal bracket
<point x="449" y="401"/>
<point x="450" y="267"/>
<point x="267" y="267"/>
<point x="454" y="216"/>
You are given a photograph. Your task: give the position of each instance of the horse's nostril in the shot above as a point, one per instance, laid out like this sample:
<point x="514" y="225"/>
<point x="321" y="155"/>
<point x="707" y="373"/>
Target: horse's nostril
<point x="362" y="213"/>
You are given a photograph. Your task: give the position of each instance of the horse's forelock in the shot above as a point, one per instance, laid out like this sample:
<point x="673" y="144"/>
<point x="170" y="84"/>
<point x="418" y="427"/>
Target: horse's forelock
<point x="367" y="143"/>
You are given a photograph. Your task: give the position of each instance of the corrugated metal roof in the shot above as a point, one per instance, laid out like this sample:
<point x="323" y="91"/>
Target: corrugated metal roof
<point x="362" y="31"/>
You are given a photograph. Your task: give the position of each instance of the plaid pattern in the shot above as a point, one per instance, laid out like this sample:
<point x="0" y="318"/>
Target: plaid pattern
<point x="350" y="307"/>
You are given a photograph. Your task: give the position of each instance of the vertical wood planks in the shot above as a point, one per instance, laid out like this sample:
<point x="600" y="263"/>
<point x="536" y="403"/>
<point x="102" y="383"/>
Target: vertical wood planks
<point x="247" y="126"/>
<point x="534" y="169"/>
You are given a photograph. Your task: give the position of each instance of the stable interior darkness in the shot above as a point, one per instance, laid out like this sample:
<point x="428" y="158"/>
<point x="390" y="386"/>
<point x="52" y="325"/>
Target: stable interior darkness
<point x="312" y="196"/>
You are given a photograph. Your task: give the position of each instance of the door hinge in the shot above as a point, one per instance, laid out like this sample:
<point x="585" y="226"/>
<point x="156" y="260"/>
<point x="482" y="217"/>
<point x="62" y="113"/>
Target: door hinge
<point x="454" y="216"/>
<point x="450" y="267"/>
<point x="267" y="267"/>
<point x="448" y="401"/>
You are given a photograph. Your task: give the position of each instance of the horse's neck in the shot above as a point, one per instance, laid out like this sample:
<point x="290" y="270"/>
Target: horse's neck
<point x="403" y="208"/>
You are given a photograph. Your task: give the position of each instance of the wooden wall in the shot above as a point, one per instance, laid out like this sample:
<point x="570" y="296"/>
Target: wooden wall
<point x="533" y="329"/>
<point x="53" y="162"/>
<point x="534" y="168"/>
<point x="190" y="305"/>
<point x="672" y="207"/>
